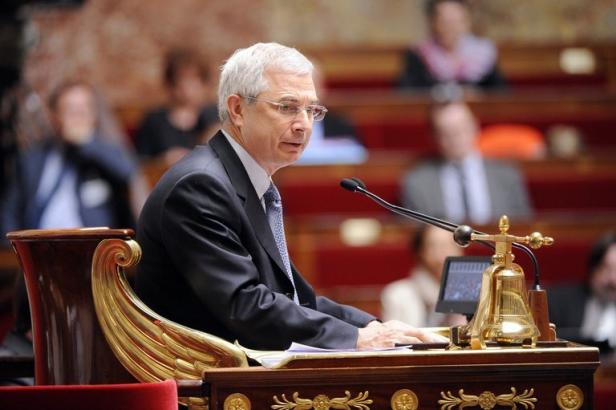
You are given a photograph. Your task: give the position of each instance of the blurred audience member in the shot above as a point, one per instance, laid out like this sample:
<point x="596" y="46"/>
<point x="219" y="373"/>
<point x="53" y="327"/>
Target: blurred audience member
<point x="77" y="177"/>
<point x="170" y="132"/>
<point x="74" y="178"/>
<point x="412" y="300"/>
<point x="335" y="139"/>
<point x="587" y="313"/>
<point x="451" y="53"/>
<point x="461" y="185"/>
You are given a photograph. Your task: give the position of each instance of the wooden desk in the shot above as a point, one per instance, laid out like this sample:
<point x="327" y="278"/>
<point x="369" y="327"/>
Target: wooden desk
<point x="427" y="380"/>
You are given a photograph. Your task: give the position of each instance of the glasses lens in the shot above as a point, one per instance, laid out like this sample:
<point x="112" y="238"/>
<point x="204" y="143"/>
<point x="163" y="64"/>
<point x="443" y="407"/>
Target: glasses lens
<point x="318" y="112"/>
<point x="288" y="109"/>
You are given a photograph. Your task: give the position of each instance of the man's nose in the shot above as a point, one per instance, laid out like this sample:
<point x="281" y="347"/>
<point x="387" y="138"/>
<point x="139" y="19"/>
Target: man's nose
<point x="302" y="121"/>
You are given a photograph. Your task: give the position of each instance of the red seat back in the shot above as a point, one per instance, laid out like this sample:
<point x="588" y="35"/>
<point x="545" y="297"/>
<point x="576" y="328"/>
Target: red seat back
<point x="136" y="396"/>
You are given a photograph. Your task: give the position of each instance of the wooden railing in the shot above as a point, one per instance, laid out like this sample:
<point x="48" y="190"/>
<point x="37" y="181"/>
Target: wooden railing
<point x="522" y="64"/>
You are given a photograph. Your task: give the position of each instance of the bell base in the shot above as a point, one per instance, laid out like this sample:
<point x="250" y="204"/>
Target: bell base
<point x="460" y="336"/>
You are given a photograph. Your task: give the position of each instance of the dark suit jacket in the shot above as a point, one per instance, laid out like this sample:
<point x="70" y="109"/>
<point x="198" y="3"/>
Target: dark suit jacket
<point x="96" y="162"/>
<point x="421" y="190"/>
<point x="210" y="261"/>
<point x="567" y="304"/>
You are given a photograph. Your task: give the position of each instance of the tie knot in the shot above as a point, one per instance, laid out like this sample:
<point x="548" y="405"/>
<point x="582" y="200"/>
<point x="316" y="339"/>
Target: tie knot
<point x="272" y="196"/>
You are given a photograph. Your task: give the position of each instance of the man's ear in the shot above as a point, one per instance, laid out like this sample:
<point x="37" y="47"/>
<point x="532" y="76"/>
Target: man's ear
<point x="235" y="109"/>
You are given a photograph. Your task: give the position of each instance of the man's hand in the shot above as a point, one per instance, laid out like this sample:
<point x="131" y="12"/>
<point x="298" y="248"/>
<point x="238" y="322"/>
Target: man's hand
<point x="388" y="334"/>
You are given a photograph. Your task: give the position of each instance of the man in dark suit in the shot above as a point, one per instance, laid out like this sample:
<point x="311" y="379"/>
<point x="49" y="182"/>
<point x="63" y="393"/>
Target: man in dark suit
<point x="461" y="185"/>
<point x="214" y="255"/>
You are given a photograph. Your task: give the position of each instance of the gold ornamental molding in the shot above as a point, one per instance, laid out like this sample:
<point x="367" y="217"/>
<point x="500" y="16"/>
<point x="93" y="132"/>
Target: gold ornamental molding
<point x="404" y="399"/>
<point x="323" y="402"/>
<point x="488" y="400"/>
<point x="151" y="347"/>
<point x="569" y="397"/>
<point x="236" y="401"/>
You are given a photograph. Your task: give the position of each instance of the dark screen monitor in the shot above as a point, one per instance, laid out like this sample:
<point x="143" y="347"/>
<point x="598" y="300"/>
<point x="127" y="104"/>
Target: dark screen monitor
<point x="461" y="284"/>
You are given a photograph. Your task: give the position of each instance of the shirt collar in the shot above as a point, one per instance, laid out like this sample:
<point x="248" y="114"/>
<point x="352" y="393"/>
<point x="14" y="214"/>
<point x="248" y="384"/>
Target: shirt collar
<point x="258" y="176"/>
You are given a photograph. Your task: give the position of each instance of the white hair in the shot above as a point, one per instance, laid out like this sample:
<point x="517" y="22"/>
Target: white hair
<point x="243" y="73"/>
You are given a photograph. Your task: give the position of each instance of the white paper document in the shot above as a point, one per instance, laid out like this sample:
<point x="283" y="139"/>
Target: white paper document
<point x="298" y="351"/>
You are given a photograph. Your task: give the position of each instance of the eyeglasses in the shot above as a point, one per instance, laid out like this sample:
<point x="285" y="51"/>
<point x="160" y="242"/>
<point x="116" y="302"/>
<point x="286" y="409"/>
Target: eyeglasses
<point x="291" y="109"/>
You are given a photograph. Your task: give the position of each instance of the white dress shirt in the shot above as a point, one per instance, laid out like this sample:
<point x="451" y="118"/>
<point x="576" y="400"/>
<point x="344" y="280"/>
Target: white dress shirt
<point x="477" y="191"/>
<point x="258" y="176"/>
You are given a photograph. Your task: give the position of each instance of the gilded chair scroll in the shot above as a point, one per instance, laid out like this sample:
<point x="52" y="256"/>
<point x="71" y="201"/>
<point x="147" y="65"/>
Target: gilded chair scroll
<point x="151" y="347"/>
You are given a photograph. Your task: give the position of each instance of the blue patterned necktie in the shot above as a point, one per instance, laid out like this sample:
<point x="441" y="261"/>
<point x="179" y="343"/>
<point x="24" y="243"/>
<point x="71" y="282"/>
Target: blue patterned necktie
<point x="273" y="209"/>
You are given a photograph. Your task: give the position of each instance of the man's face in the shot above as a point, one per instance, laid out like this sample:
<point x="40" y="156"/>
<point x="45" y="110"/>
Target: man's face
<point x="274" y="139"/>
<point x="450" y="23"/>
<point x="603" y="279"/>
<point x="438" y="245"/>
<point x="189" y="88"/>
<point x="75" y="115"/>
<point x="455" y="130"/>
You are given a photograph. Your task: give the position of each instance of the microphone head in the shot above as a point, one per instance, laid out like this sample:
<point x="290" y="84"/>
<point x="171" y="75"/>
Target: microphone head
<point x="350" y="184"/>
<point x="462" y="235"/>
<point x="360" y="183"/>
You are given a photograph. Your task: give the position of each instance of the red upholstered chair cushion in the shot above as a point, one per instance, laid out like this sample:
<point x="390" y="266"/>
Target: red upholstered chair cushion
<point x="137" y="396"/>
<point x="515" y="141"/>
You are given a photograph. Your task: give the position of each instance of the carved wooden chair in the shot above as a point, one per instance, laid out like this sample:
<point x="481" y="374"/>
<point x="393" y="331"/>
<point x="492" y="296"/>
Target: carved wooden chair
<point x="88" y="325"/>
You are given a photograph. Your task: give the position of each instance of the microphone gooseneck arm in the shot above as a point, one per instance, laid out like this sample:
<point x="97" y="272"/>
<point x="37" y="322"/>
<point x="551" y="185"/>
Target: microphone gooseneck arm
<point x="462" y="233"/>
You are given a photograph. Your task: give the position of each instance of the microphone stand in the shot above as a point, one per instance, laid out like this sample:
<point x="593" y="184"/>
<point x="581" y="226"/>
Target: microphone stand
<point x="462" y="235"/>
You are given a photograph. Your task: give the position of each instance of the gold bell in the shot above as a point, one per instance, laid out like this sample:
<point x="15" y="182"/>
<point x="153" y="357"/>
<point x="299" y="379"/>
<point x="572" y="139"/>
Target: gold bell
<point x="503" y="314"/>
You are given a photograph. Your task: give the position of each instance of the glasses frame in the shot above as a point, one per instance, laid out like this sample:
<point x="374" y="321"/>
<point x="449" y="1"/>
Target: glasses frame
<point x="308" y="108"/>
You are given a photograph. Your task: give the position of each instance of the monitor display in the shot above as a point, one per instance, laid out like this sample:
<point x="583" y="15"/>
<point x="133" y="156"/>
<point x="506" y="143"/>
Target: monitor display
<point x="461" y="284"/>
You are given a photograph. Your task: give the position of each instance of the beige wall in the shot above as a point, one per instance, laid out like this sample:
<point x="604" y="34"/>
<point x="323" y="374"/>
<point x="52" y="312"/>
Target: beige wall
<point x="119" y="44"/>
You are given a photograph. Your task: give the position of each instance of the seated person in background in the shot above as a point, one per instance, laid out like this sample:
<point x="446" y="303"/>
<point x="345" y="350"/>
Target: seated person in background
<point x="452" y="53"/>
<point x="74" y="178"/>
<point x="214" y="251"/>
<point x="461" y="185"/>
<point x="587" y="312"/>
<point x="412" y="300"/>
<point x="335" y="139"/>
<point x="168" y="133"/>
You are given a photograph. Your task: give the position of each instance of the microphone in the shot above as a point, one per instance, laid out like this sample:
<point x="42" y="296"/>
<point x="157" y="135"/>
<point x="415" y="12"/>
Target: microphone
<point x="461" y="233"/>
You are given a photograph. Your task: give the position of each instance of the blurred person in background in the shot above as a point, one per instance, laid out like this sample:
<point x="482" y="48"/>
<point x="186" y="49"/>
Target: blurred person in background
<point x="586" y="313"/>
<point x="452" y="54"/>
<point x="169" y="132"/>
<point x="76" y="177"/>
<point x="461" y="185"/>
<point x="79" y="176"/>
<point x="413" y="299"/>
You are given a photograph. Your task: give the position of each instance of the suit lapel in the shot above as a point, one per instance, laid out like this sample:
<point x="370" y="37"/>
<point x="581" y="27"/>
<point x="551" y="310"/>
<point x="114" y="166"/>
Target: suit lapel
<point x="241" y="182"/>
